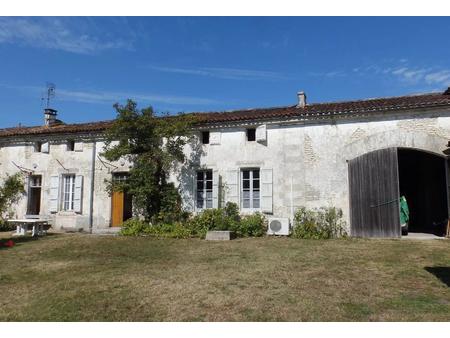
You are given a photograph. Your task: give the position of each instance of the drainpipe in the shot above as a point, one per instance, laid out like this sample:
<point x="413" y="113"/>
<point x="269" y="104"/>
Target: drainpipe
<point x="292" y="200"/>
<point x="91" y="199"/>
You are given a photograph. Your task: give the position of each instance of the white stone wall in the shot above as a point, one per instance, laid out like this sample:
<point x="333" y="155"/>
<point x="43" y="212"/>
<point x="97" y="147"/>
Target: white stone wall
<point x="310" y="158"/>
<point x="59" y="161"/>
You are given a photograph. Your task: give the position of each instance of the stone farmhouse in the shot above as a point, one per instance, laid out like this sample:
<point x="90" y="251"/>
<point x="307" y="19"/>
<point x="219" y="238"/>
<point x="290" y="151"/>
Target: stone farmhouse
<point x="360" y="156"/>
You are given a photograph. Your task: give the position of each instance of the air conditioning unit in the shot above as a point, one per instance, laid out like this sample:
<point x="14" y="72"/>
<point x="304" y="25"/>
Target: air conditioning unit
<point x="278" y="226"/>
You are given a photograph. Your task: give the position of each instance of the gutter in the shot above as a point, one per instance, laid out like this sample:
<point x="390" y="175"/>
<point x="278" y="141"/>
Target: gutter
<point x="91" y="198"/>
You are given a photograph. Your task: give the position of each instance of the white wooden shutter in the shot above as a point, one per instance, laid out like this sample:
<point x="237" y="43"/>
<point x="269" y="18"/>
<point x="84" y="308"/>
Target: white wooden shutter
<point x="232" y="184"/>
<point x="214" y="137"/>
<point x="189" y="192"/>
<point x="78" y="146"/>
<point x="78" y="195"/>
<point x="215" y="189"/>
<point x="45" y="147"/>
<point x="54" y="193"/>
<point x="261" y="133"/>
<point x="266" y="190"/>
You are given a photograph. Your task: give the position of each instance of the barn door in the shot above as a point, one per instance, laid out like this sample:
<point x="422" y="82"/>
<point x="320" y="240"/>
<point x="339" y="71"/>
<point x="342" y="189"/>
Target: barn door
<point x="374" y="194"/>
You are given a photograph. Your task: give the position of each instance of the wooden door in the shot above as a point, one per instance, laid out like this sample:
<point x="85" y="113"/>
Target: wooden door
<point x="117" y="208"/>
<point x="374" y="194"/>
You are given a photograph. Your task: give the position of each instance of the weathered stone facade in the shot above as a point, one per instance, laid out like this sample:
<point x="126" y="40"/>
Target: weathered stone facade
<point x="302" y="162"/>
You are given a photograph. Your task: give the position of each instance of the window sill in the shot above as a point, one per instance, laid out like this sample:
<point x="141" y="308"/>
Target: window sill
<point x="250" y="210"/>
<point x="67" y="213"/>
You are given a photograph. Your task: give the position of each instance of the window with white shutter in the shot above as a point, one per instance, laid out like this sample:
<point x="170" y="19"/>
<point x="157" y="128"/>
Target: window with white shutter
<point x="215" y="189"/>
<point x="267" y="190"/>
<point x="54" y="193"/>
<point x="250" y="189"/>
<point x="68" y="192"/>
<point x="204" y="194"/>
<point x="78" y="194"/>
<point x="231" y="186"/>
<point x="261" y="134"/>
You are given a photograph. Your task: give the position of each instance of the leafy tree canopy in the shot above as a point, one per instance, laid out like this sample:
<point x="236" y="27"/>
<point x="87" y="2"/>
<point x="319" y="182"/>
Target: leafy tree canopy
<point x="11" y="191"/>
<point x="154" y="146"/>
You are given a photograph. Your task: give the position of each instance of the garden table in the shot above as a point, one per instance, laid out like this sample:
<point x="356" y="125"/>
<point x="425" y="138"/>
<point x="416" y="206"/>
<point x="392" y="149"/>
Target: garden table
<point x="23" y="225"/>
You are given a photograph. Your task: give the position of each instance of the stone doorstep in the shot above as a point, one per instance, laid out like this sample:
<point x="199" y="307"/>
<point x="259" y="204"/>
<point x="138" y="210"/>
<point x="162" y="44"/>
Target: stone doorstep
<point x="106" y="231"/>
<point x="219" y="235"/>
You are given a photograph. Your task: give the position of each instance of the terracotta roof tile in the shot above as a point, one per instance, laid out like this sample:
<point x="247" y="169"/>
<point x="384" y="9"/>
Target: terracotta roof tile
<point x="316" y="110"/>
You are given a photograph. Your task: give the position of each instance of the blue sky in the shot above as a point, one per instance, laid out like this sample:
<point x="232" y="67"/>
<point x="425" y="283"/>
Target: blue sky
<point x="184" y="64"/>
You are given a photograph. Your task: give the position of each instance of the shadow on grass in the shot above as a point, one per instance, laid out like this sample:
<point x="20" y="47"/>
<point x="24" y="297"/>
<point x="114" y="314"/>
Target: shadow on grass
<point x="441" y="272"/>
<point x="19" y="240"/>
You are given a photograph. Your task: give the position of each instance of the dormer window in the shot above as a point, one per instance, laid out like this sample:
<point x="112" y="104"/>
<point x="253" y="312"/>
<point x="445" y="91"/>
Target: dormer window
<point x="205" y="137"/>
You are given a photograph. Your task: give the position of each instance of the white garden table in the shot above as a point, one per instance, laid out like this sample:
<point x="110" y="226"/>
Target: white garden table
<point x="23" y="225"/>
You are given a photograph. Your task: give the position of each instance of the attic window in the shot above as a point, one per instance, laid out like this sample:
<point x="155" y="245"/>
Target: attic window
<point x="38" y="147"/>
<point x="205" y="137"/>
<point x="70" y="145"/>
<point x="251" y="134"/>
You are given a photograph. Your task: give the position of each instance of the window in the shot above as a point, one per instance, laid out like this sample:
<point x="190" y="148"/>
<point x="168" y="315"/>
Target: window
<point x="38" y="147"/>
<point x="204" y="189"/>
<point x="250" y="189"/>
<point x="205" y="137"/>
<point x="120" y="177"/>
<point x="34" y="194"/>
<point x="68" y="192"/>
<point x="251" y="134"/>
<point x="70" y="145"/>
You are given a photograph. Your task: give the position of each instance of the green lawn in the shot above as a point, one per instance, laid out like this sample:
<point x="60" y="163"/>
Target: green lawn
<point x="78" y="277"/>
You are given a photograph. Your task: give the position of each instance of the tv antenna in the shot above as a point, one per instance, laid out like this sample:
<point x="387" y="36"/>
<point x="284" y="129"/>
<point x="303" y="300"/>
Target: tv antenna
<point x="51" y="87"/>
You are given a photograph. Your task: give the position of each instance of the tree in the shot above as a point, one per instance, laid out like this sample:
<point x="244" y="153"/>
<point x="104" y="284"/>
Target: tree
<point x="154" y="145"/>
<point x="11" y="191"/>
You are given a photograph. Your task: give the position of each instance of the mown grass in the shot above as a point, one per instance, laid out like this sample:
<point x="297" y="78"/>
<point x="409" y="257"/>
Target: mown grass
<point x="100" y="278"/>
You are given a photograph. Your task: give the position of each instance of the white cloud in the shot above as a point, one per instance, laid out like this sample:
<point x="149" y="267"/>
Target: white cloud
<point x="401" y="71"/>
<point x="423" y="75"/>
<point x="333" y="73"/>
<point x="440" y="77"/>
<point x="224" y="73"/>
<point x="110" y="97"/>
<point x="57" y="33"/>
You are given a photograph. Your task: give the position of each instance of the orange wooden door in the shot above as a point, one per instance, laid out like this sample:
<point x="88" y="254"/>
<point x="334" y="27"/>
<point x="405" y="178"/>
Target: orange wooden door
<point x="117" y="209"/>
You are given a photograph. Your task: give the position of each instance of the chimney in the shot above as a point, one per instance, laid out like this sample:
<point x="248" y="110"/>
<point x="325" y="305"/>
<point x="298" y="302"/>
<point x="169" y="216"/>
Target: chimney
<point x="50" y="116"/>
<point x="301" y="99"/>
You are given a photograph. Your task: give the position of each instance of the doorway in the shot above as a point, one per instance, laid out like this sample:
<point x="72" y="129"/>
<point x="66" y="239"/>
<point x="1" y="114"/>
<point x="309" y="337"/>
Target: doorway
<point x="34" y="195"/>
<point x="121" y="203"/>
<point x="378" y="179"/>
<point x="423" y="181"/>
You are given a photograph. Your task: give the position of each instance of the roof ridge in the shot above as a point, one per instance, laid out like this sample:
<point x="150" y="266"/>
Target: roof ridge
<point x="376" y="98"/>
<point x="341" y="108"/>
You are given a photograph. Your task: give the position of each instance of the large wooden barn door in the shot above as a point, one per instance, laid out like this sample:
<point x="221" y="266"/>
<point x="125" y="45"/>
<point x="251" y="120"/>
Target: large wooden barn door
<point x="374" y="194"/>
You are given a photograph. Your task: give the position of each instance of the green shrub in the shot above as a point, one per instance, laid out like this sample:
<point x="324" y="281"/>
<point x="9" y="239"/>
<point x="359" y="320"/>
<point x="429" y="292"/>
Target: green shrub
<point x="198" y="225"/>
<point x="232" y="211"/>
<point x="210" y="219"/>
<point x="133" y="227"/>
<point x="254" y="225"/>
<point x="172" y="230"/>
<point x="5" y="226"/>
<point x="323" y="223"/>
<point x="136" y="227"/>
<point x="11" y="191"/>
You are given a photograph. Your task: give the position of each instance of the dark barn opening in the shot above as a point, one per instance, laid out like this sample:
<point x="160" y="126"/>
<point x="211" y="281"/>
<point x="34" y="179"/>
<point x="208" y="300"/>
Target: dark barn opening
<point x="378" y="179"/>
<point x="422" y="180"/>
